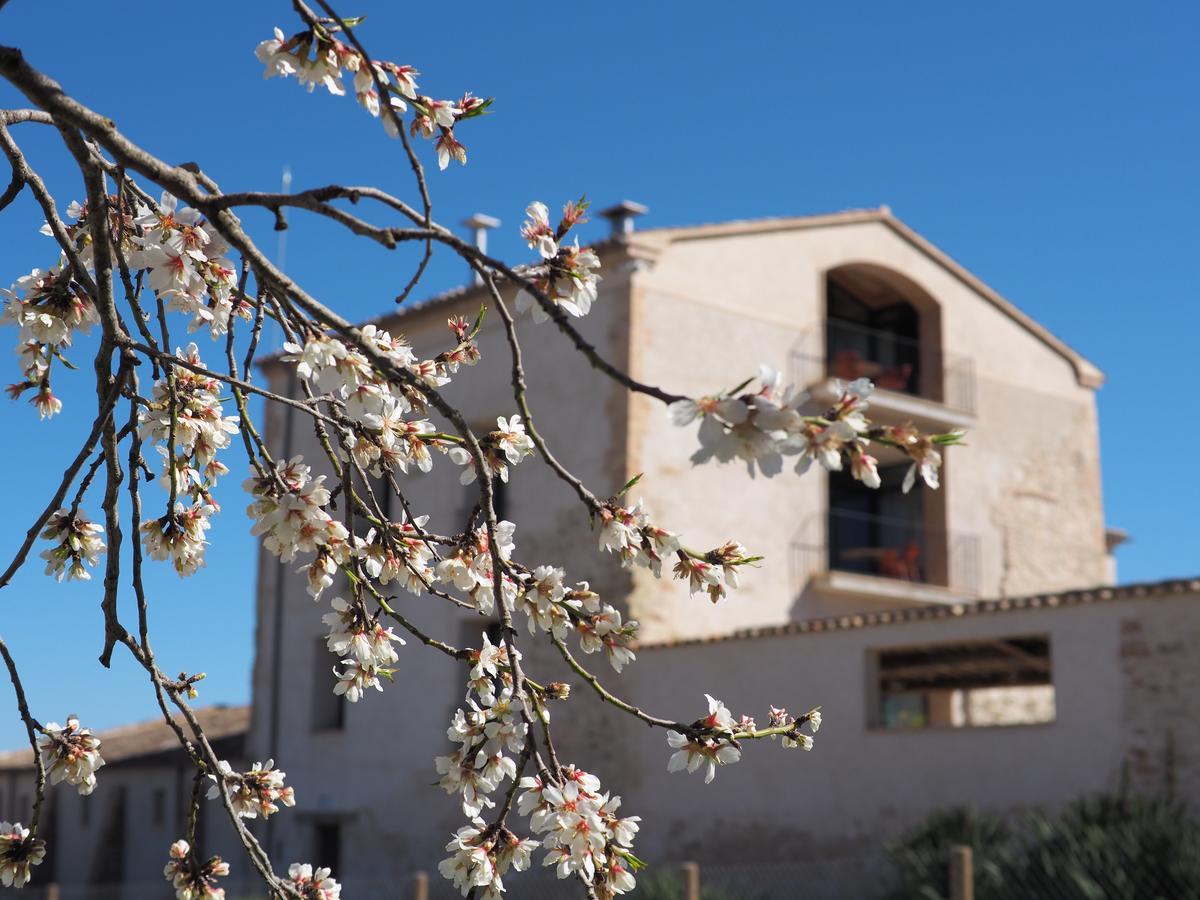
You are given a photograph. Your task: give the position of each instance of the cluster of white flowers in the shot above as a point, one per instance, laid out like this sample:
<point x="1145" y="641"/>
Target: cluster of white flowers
<point x="568" y="275"/>
<point x="179" y="536"/>
<point x="49" y="308"/>
<point x="469" y="567"/>
<point x="715" y="572"/>
<point x="922" y="450"/>
<point x="316" y="57"/>
<point x="712" y="746"/>
<point x="372" y="399"/>
<point x="713" y="740"/>
<point x="491" y="669"/>
<point x="77" y="545"/>
<point x="483" y="732"/>
<point x="793" y="737"/>
<point x="399" y="554"/>
<point x="363" y="645"/>
<point x="344" y="371"/>
<point x="544" y="599"/>
<point x="192" y="879"/>
<point x="601" y="629"/>
<point x="630" y="534"/>
<point x="71" y="753"/>
<point x="554" y="608"/>
<point x="19" y="853"/>
<point x="187" y="265"/>
<point x="191" y="467"/>
<point x="479" y="857"/>
<point x="584" y="836"/>
<point x="290" y="511"/>
<point x="200" y="428"/>
<point x="313" y="884"/>
<point x="504" y="447"/>
<point x="762" y="427"/>
<point x="255" y="792"/>
<point x="386" y="440"/>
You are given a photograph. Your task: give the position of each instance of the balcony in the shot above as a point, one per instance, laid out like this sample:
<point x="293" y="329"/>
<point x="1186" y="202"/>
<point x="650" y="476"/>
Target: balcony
<point x="888" y="558"/>
<point x="913" y="381"/>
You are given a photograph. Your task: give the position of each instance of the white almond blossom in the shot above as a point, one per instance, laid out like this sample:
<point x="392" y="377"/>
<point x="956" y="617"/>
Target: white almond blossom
<point x="692" y="753"/>
<point x="504" y="447"/>
<point x="294" y="518"/>
<point x="711" y="744"/>
<point x="357" y="678"/>
<point x="538" y="232"/>
<point x="351" y="633"/>
<point x="761" y="427"/>
<point x="583" y="835"/>
<point x="483" y="732"/>
<point x="317" y="58"/>
<point x="479" y="857"/>
<point x="179" y="537"/>
<point x="19" y="853"/>
<point x="401" y="555"/>
<point x="77" y="545"/>
<point x="48" y="307"/>
<point x="192" y="879"/>
<point x="253" y="793"/>
<point x="71" y="753"/>
<point x="313" y="883"/>
<point x="469" y="567"/>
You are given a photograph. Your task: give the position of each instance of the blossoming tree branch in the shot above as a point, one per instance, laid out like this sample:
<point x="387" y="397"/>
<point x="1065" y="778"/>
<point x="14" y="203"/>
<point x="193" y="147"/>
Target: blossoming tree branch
<point x="151" y="250"/>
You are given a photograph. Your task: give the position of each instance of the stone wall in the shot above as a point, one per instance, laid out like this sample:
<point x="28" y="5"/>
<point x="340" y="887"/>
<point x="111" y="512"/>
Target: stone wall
<point x="1157" y="716"/>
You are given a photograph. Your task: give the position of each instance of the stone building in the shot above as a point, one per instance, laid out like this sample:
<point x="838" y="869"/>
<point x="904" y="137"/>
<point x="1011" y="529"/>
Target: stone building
<point x="871" y="604"/>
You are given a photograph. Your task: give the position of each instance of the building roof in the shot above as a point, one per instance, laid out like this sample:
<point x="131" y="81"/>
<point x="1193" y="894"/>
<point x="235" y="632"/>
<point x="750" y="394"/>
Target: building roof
<point x="151" y="737"/>
<point x="1063" y="599"/>
<point x="649" y="241"/>
<point x="1087" y="373"/>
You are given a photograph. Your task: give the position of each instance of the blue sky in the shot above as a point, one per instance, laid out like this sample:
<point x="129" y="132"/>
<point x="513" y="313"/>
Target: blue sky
<point x="1051" y="148"/>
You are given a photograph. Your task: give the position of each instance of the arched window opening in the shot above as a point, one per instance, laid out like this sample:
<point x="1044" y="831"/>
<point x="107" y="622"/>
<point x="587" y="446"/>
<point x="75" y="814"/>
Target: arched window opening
<point x="881" y="327"/>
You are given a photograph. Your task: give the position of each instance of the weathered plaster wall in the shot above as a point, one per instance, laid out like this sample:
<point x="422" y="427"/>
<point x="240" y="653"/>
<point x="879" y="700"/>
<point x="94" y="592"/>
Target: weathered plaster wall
<point x="1026" y="492"/>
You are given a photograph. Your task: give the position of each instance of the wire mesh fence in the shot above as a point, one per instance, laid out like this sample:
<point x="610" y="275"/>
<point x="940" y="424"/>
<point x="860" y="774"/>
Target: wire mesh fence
<point x="1070" y="871"/>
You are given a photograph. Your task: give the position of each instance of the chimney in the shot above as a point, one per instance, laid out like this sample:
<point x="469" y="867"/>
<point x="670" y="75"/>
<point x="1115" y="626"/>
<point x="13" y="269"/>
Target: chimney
<point x="480" y="225"/>
<point x="622" y="215"/>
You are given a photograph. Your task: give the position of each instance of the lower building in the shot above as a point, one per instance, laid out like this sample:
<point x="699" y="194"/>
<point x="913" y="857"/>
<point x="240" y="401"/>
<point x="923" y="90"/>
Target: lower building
<point x="113" y="843"/>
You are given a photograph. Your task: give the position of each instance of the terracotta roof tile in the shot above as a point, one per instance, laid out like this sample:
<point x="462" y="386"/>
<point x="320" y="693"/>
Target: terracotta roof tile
<point x="1085" y="597"/>
<point x="150" y="737"/>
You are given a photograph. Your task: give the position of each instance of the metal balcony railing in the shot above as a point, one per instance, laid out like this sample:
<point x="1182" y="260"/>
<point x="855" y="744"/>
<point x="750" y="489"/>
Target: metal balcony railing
<point x="847" y="351"/>
<point x="885" y="547"/>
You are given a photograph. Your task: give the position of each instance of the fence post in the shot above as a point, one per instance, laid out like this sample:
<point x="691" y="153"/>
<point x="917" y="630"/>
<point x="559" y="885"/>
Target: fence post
<point x="420" y="886"/>
<point x="690" y="873"/>
<point x="962" y="875"/>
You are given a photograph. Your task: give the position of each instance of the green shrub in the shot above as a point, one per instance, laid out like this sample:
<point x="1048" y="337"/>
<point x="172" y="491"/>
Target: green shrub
<point x="669" y="886"/>
<point x="922" y="854"/>
<point x="1107" y="847"/>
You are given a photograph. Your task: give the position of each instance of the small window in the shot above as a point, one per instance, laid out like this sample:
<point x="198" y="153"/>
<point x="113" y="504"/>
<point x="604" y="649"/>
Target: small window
<point x="327" y="846"/>
<point x="1004" y="681"/>
<point x="158" y="806"/>
<point x="328" y="708"/>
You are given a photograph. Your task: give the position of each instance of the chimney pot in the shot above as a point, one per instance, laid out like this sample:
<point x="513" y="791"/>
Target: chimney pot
<point x="480" y="224"/>
<point x="622" y="215"/>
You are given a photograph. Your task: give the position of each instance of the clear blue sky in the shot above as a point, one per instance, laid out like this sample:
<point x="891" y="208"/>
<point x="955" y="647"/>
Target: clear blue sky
<point x="1051" y="148"/>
